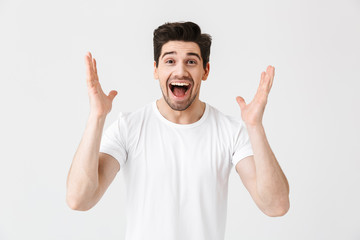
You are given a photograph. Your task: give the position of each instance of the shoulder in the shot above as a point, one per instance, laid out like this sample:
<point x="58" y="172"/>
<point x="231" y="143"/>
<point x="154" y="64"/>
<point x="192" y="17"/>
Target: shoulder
<point x="136" y="115"/>
<point x="229" y="121"/>
<point x="128" y="124"/>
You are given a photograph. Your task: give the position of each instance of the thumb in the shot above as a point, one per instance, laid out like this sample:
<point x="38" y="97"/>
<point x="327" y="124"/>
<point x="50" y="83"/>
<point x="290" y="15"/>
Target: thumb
<point x="112" y="94"/>
<point x="241" y="102"/>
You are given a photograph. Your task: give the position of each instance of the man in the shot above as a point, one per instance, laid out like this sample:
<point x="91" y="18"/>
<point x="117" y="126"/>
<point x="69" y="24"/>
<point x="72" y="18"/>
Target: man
<point x="177" y="152"/>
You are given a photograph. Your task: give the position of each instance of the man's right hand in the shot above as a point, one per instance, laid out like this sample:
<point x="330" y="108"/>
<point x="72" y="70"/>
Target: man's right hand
<point x="100" y="103"/>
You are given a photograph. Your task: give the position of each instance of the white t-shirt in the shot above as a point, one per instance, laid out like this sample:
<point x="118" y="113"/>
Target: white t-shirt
<point x="176" y="174"/>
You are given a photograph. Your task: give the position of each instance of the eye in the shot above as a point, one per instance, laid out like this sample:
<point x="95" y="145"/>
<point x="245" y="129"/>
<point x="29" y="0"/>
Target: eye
<point x="192" y="62"/>
<point x="169" y="61"/>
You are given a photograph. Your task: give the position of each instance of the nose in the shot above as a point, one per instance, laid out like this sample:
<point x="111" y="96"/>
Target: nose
<point x="180" y="71"/>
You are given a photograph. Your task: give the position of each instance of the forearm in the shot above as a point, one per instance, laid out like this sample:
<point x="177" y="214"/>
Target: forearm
<point x="82" y="181"/>
<point x="271" y="183"/>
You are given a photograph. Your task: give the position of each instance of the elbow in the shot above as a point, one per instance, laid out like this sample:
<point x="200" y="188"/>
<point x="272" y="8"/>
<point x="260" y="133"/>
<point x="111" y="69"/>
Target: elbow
<point x="278" y="211"/>
<point x="79" y="199"/>
<point x="76" y="204"/>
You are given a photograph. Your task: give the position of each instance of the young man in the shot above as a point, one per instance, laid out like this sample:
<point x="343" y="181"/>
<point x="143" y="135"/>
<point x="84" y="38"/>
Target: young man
<point x="176" y="153"/>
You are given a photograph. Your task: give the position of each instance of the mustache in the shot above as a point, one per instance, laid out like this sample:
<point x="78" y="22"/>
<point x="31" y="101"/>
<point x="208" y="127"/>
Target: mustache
<point x="182" y="78"/>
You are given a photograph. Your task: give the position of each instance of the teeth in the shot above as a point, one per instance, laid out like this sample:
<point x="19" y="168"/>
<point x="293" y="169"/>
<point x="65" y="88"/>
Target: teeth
<point x="179" y="84"/>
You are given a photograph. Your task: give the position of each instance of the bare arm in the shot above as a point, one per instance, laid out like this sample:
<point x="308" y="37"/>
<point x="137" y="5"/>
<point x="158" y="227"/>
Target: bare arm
<point x="261" y="173"/>
<point x="91" y="172"/>
<point x="262" y="176"/>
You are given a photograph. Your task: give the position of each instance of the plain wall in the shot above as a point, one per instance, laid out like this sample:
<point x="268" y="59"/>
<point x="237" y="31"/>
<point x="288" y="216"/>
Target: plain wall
<point x="311" y="119"/>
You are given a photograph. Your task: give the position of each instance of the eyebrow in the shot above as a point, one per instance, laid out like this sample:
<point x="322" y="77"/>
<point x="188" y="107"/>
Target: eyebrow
<point x="188" y="54"/>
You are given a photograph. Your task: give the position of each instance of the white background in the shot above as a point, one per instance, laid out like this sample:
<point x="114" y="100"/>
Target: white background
<point x="311" y="119"/>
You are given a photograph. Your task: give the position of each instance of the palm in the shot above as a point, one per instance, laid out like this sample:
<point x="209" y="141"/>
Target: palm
<point x="100" y="103"/>
<point x="253" y="112"/>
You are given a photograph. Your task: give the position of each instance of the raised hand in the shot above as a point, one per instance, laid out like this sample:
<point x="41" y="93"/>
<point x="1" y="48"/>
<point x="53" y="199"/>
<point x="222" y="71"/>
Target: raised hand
<point x="253" y="112"/>
<point x="100" y="103"/>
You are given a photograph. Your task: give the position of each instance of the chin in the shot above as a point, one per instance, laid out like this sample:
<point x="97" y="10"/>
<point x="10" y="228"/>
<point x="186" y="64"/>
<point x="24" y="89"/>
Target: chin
<point x="177" y="105"/>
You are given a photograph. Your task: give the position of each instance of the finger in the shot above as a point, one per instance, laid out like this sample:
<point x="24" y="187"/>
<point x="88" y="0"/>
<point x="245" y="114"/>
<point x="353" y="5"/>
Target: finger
<point x="270" y="70"/>
<point x="262" y="82"/>
<point x="94" y="63"/>
<point x="273" y="75"/>
<point x="95" y="70"/>
<point x="89" y="70"/>
<point x="112" y="94"/>
<point x="241" y="102"/>
<point x="268" y="78"/>
<point x="88" y="57"/>
<point x="260" y="87"/>
<point x="262" y="91"/>
<point x="267" y="81"/>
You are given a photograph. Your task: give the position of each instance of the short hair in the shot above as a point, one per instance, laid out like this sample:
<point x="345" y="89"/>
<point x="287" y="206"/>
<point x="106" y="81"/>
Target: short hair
<point x="181" y="31"/>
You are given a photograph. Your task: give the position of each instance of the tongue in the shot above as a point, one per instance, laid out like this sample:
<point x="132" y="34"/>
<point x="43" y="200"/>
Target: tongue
<point x="179" y="91"/>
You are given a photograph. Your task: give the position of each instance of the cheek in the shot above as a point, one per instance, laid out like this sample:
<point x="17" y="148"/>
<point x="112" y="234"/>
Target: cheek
<point x="163" y="84"/>
<point x="164" y="76"/>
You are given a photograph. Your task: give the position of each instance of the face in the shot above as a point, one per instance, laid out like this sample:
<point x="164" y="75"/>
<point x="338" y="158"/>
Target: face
<point x="180" y="72"/>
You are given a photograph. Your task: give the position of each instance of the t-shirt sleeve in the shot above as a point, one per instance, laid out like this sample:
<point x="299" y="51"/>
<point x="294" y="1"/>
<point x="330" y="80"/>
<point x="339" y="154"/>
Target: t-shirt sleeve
<point x="113" y="141"/>
<point x="242" y="145"/>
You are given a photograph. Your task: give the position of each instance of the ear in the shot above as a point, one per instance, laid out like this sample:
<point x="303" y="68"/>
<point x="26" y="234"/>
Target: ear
<point x="156" y="75"/>
<point x="207" y="70"/>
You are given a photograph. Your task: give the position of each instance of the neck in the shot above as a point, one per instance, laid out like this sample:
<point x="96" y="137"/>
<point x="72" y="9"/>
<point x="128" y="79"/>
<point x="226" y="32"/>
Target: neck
<point x="192" y="114"/>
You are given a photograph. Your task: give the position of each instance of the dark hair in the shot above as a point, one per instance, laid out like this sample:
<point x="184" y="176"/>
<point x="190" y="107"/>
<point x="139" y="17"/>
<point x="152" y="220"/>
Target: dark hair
<point x="181" y="31"/>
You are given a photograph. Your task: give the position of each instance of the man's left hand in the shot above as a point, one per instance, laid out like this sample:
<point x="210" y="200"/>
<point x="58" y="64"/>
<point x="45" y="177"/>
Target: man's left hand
<point x="253" y="112"/>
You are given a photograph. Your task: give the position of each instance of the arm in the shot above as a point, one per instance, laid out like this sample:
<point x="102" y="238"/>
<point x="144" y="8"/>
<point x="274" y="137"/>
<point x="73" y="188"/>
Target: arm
<point x="263" y="178"/>
<point x="91" y="172"/>
<point x="261" y="173"/>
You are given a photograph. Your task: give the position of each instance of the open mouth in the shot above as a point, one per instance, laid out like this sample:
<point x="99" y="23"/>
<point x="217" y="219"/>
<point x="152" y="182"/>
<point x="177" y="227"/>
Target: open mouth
<point x="179" y="89"/>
